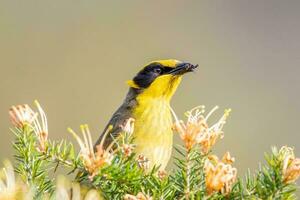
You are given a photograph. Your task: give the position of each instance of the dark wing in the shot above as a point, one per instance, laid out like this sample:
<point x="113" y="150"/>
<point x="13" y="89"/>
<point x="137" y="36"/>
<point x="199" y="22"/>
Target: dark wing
<point x="119" y="118"/>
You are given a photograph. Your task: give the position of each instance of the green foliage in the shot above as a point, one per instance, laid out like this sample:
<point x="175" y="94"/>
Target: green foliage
<point x="30" y="163"/>
<point x="34" y="165"/>
<point x="268" y="183"/>
<point x="189" y="178"/>
<point x="124" y="175"/>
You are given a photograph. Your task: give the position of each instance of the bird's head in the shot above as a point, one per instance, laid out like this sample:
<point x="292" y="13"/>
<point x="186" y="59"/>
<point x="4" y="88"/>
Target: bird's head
<point x="160" y="78"/>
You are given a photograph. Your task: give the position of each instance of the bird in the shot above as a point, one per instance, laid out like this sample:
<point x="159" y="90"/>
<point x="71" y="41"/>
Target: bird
<point x="148" y="103"/>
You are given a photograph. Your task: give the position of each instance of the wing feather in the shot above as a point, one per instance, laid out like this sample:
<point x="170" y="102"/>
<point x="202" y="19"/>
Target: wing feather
<point x="123" y="113"/>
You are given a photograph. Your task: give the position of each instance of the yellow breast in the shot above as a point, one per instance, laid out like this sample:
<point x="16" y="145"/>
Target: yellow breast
<point x="153" y="130"/>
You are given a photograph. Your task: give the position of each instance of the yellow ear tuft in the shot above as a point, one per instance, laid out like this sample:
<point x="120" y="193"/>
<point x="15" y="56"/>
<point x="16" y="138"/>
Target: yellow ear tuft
<point x="132" y="84"/>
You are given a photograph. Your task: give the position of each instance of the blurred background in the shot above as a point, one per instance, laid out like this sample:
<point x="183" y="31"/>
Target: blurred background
<point x="75" y="56"/>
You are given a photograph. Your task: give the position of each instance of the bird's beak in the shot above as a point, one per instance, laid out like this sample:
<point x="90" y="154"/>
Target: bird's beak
<point x="183" y="68"/>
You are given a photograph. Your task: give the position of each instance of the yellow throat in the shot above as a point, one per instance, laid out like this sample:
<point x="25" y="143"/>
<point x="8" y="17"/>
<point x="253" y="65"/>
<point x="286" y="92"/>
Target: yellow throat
<point x="153" y="134"/>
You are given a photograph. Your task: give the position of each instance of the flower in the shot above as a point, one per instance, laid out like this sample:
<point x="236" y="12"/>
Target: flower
<point x="9" y="187"/>
<point x="128" y="126"/>
<point x="139" y="196"/>
<point x="92" y="160"/>
<point x="127" y="149"/>
<point x="143" y="162"/>
<point x="63" y="188"/>
<point x="197" y="131"/>
<point x="290" y="166"/>
<point x="162" y="174"/>
<point x="66" y="190"/>
<point x="219" y="176"/>
<point x="40" y="127"/>
<point x="21" y="115"/>
<point x="227" y="158"/>
<point x="292" y="172"/>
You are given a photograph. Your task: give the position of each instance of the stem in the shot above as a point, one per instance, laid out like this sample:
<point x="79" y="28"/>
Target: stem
<point x="60" y="160"/>
<point x="53" y="158"/>
<point x="188" y="171"/>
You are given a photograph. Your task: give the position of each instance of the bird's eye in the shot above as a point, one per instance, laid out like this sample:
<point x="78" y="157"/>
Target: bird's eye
<point x="157" y="70"/>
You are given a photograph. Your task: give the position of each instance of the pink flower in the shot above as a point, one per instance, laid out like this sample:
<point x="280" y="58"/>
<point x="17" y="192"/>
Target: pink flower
<point x="197" y="131"/>
<point x="92" y="160"/>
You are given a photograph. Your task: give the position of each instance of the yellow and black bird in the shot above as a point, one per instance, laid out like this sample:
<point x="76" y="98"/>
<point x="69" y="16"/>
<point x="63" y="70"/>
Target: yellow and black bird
<point x="148" y="102"/>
